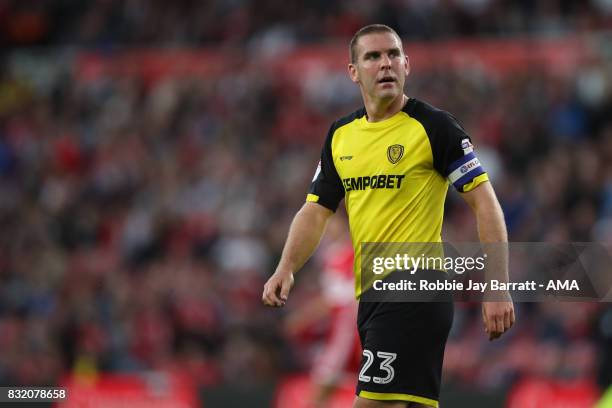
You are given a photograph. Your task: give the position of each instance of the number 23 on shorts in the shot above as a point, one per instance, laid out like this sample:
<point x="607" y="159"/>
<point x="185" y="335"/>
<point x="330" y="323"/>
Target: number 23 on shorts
<point x="385" y="365"/>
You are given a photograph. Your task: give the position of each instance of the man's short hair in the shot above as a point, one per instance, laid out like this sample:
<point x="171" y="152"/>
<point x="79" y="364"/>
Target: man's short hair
<point x="369" y="29"/>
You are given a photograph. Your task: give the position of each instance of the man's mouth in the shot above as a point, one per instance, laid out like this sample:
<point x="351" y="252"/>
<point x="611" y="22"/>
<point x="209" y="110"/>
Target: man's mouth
<point x="386" y="79"/>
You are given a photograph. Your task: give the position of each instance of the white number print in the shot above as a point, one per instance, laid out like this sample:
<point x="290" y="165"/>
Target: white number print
<point x="385" y="365"/>
<point x="369" y="359"/>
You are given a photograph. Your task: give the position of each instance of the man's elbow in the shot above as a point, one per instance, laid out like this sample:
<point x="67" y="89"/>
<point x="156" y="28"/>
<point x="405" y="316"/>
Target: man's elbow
<point x="315" y="213"/>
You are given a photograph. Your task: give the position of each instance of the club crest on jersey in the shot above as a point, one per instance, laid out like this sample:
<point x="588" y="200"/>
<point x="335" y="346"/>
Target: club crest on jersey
<point x="395" y="153"/>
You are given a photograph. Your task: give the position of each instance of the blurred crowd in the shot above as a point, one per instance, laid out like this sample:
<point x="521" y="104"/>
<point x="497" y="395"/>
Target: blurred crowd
<point x="139" y="220"/>
<point x="223" y="23"/>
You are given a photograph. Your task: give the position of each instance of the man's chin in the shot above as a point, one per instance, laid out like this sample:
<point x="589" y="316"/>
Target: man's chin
<point x="388" y="94"/>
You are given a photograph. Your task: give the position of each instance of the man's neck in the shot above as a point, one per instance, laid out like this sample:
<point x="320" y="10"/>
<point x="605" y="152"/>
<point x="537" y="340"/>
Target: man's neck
<point x="379" y="110"/>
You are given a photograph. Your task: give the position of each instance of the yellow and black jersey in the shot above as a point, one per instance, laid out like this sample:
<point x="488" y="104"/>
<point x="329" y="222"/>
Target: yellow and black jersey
<point x="394" y="174"/>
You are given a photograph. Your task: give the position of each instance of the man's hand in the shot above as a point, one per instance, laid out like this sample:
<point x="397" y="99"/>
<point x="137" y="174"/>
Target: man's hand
<point x="497" y="317"/>
<point x="304" y="235"/>
<point x="276" y="290"/>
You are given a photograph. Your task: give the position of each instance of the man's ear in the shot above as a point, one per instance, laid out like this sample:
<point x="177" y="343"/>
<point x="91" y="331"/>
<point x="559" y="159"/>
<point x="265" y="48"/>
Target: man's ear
<point x="407" y="65"/>
<point x="353" y="74"/>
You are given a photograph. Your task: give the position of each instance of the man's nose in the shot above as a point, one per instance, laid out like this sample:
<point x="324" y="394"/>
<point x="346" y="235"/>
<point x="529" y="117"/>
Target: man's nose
<point x="385" y="62"/>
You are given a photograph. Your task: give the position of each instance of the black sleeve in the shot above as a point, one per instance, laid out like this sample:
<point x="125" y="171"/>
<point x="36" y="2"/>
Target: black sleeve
<point x="453" y="153"/>
<point x="326" y="187"/>
<point x="446" y="138"/>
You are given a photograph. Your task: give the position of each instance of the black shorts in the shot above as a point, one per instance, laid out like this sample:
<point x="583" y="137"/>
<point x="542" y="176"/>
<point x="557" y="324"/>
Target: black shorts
<point x="403" y="349"/>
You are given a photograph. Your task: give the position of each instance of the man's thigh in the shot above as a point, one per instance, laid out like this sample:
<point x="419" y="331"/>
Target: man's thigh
<point x="403" y="349"/>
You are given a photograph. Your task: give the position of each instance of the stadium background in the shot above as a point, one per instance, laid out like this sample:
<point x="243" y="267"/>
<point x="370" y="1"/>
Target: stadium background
<point x="152" y="155"/>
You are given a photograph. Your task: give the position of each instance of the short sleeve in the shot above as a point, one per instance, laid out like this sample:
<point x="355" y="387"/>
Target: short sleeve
<point x="326" y="187"/>
<point x="453" y="154"/>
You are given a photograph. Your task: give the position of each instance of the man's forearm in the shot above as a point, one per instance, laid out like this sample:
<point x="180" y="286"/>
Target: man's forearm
<point x="494" y="239"/>
<point x="491" y="224"/>
<point x="304" y="236"/>
<point x="491" y="230"/>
